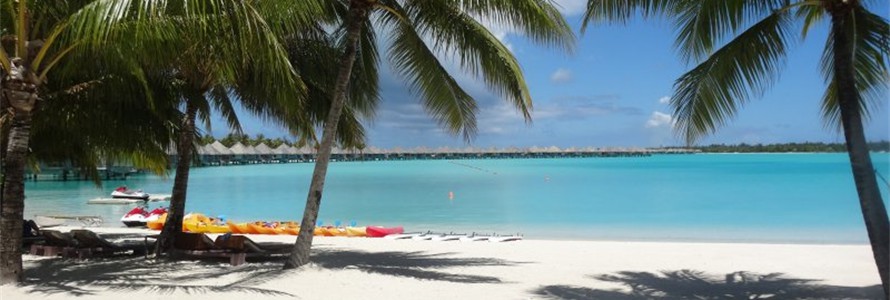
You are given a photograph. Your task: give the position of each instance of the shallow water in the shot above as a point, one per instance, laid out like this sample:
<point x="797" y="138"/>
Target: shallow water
<point x="796" y="198"/>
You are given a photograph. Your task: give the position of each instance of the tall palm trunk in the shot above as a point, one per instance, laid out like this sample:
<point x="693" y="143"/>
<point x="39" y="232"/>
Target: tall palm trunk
<point x="184" y="148"/>
<point x="22" y="96"/>
<point x="873" y="211"/>
<point x="358" y="15"/>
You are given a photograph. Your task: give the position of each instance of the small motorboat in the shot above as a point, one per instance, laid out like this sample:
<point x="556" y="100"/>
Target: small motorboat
<point x="138" y="216"/>
<point x="125" y="193"/>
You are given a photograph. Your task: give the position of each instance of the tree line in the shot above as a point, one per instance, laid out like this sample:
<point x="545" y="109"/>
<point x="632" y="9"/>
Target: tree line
<point x="880" y="146"/>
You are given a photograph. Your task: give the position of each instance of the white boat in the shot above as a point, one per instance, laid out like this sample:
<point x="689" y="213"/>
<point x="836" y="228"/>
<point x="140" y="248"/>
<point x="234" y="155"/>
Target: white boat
<point x="426" y="236"/>
<point x="402" y="236"/>
<point x="474" y="238"/>
<point x="505" y="238"/>
<point x="125" y="193"/>
<point x="448" y="237"/>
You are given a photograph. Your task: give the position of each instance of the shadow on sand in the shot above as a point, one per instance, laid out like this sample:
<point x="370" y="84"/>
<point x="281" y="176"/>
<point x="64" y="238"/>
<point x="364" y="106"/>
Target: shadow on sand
<point x="688" y="284"/>
<point x="163" y="276"/>
<point x="418" y="265"/>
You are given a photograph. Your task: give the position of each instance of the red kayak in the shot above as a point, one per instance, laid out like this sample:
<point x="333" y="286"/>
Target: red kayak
<point x="377" y="231"/>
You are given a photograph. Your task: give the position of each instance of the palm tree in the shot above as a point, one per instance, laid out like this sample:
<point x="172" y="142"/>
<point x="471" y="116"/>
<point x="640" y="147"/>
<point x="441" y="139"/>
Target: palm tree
<point x="266" y="86"/>
<point x="37" y="36"/>
<point x="854" y="64"/>
<point x="452" y="27"/>
<point x="211" y="72"/>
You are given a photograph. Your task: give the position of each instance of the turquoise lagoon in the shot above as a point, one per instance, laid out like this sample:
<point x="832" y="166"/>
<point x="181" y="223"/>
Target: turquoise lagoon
<point x="775" y="198"/>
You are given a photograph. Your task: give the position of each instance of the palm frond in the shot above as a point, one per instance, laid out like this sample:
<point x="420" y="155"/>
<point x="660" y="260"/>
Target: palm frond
<point x="443" y="97"/>
<point x="810" y="14"/>
<point x="704" y="24"/>
<point x="621" y="11"/>
<point x="538" y="20"/>
<point x="871" y="38"/>
<point x="709" y="94"/>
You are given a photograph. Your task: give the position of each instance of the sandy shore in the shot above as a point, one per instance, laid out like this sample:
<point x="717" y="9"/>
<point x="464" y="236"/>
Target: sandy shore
<point x="363" y="268"/>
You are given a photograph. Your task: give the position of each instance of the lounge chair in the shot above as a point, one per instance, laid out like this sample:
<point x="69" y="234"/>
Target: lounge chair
<point x="54" y="243"/>
<point x="89" y="243"/>
<point x="30" y="234"/>
<point x="200" y="245"/>
<point x="240" y="243"/>
<point x="241" y="247"/>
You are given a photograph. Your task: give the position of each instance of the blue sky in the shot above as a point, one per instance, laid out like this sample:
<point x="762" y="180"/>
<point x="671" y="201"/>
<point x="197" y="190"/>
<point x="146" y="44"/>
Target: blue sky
<point x="610" y="92"/>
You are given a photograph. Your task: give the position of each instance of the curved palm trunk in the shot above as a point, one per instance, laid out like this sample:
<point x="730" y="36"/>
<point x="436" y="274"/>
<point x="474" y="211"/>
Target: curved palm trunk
<point x="184" y="148"/>
<point x="22" y="97"/>
<point x="873" y="210"/>
<point x="358" y="15"/>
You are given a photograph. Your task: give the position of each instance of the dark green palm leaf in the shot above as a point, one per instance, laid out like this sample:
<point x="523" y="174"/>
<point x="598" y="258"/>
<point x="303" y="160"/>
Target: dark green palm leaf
<point x="709" y="94"/>
<point x="872" y="43"/>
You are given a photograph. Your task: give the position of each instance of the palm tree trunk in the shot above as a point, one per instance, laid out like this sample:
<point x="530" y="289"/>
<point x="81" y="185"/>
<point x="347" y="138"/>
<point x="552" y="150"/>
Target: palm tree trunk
<point x="184" y="148"/>
<point x="22" y="97"/>
<point x="873" y="211"/>
<point x="358" y="15"/>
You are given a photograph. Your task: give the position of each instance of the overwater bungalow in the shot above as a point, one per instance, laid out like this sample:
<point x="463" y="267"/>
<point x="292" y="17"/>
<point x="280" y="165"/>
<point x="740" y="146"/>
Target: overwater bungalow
<point x="264" y="152"/>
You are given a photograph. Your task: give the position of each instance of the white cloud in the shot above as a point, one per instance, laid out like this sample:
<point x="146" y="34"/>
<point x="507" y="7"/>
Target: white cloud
<point x="664" y="100"/>
<point x="561" y="76"/>
<point x="659" y="119"/>
<point x="571" y="7"/>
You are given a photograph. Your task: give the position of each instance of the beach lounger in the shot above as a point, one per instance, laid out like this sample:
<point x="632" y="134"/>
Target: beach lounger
<point x="50" y="221"/>
<point x="54" y="243"/>
<point x="243" y="247"/>
<point x="90" y="243"/>
<point x="200" y="245"/>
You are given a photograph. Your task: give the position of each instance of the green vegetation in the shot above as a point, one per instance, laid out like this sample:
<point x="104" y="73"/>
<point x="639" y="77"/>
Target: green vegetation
<point x="883" y="146"/>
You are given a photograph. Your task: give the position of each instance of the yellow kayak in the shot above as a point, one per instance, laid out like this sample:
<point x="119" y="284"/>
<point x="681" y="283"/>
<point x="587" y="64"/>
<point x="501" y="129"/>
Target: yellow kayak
<point x="201" y="227"/>
<point x="157" y="224"/>
<point x="334" y="231"/>
<point x="356" y="231"/>
<point x="237" y="228"/>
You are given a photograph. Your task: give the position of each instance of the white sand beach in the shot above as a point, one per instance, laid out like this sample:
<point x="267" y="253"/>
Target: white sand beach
<point x="365" y="268"/>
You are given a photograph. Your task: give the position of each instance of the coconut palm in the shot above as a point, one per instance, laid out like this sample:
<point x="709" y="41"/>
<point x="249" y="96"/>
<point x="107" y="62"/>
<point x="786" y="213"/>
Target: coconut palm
<point x="39" y="35"/>
<point x="418" y="30"/>
<point x="209" y="72"/>
<point x="854" y="64"/>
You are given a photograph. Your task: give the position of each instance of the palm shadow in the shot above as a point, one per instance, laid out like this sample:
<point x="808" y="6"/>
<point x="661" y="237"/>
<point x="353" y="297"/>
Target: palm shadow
<point x="417" y="264"/>
<point x="165" y="276"/>
<point x="690" y="284"/>
<point x="161" y="276"/>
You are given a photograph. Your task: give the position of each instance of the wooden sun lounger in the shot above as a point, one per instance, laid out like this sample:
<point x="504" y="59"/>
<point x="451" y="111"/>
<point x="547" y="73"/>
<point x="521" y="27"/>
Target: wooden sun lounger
<point x="54" y="243"/>
<point x="90" y="243"/>
<point x="200" y="245"/>
<point x="243" y="247"/>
